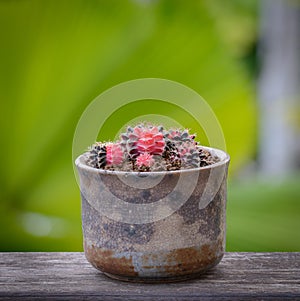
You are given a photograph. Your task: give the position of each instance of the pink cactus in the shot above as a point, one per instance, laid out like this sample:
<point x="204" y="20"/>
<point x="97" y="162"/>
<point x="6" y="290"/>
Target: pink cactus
<point x="114" y="154"/>
<point x="149" y="148"/>
<point x="150" y="140"/>
<point x="144" y="159"/>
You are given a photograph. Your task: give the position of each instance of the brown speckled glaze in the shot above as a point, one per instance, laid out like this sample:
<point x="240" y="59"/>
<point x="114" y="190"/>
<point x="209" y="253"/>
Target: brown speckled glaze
<point x="179" y="246"/>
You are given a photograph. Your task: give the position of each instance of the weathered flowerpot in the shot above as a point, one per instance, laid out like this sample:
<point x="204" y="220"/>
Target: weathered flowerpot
<point x="154" y="226"/>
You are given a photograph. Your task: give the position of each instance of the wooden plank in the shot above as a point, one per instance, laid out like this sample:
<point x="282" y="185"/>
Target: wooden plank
<point x="68" y="276"/>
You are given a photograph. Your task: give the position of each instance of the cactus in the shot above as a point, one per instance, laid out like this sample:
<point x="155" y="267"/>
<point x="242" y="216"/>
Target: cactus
<point x="150" y="140"/>
<point x="97" y="155"/>
<point x="144" y="162"/>
<point x="150" y="148"/>
<point x="189" y="155"/>
<point x="177" y="144"/>
<point x="178" y="136"/>
<point x="114" y="154"/>
<point x="128" y="141"/>
<point x="141" y="139"/>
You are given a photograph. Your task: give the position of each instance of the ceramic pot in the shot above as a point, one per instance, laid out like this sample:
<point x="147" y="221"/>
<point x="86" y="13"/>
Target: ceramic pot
<point x="154" y="226"/>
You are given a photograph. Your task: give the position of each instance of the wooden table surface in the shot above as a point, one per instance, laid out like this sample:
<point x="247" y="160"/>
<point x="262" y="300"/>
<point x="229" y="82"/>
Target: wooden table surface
<point x="68" y="276"/>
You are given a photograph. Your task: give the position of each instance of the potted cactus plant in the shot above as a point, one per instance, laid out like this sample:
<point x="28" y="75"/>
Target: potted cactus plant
<point x="153" y="205"/>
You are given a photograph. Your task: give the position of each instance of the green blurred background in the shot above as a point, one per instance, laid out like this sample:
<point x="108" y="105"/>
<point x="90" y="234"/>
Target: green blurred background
<point x="57" y="56"/>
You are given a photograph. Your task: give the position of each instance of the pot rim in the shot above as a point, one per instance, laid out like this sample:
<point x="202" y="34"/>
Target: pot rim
<point x="222" y="155"/>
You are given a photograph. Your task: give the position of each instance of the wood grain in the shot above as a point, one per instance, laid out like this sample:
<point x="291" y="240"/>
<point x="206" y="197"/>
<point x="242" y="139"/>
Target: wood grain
<point x="68" y="276"/>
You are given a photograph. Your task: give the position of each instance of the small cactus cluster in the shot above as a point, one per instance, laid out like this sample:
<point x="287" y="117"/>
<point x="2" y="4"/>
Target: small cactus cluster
<point x="150" y="148"/>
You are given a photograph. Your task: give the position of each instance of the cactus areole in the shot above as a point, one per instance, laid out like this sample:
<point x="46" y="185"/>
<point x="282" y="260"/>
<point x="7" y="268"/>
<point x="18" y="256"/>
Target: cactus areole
<point x="150" y="148"/>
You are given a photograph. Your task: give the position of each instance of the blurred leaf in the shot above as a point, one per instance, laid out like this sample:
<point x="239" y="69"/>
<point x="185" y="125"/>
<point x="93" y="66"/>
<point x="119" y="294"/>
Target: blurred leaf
<point x="57" y="56"/>
<point x="264" y="216"/>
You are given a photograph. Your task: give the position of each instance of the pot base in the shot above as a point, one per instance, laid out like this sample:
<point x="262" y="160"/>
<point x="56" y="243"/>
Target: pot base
<point x="166" y="279"/>
<point x="157" y="267"/>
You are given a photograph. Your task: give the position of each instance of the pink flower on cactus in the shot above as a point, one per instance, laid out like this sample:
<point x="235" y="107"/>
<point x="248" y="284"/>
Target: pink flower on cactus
<point x="150" y="140"/>
<point x="145" y="159"/>
<point x="114" y="154"/>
